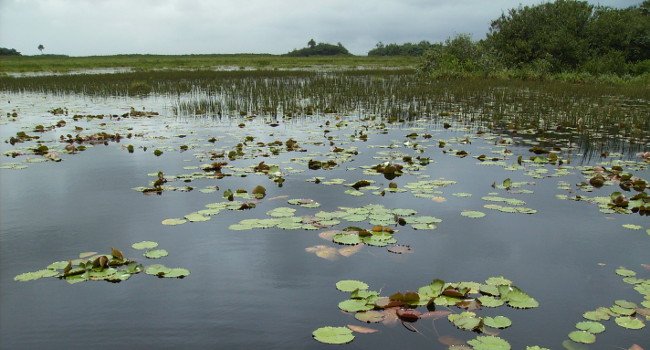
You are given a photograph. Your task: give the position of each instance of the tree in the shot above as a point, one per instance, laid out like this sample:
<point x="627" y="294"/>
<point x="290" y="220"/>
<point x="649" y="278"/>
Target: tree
<point x="311" y="43"/>
<point x="41" y="48"/>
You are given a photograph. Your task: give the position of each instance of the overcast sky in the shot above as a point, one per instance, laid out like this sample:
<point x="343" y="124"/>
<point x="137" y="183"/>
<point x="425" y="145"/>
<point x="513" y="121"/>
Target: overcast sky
<point x="100" y="27"/>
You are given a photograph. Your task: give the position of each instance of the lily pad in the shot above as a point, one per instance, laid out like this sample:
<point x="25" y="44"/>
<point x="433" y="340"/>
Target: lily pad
<point x="472" y="214"/>
<point x="144" y="245"/>
<point x="350" y="285"/>
<point x="591" y="327"/>
<point x="582" y="337"/>
<point x="333" y="335"/>
<point x="156" y="254"/>
<point x="173" y="222"/>
<point x="497" y="322"/>
<point x="629" y="322"/>
<point x="489" y="343"/>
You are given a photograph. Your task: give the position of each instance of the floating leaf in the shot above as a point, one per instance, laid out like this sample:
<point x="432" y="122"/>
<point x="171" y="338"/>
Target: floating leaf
<point x="361" y="329"/>
<point x="591" y="327"/>
<point x="333" y="335"/>
<point x="497" y="322"/>
<point x="354" y="305"/>
<point x="196" y="217"/>
<point x="369" y="316"/>
<point x="173" y="222"/>
<point x="629" y="322"/>
<point x="622" y="271"/>
<point x="30" y="276"/>
<point x="156" y="254"/>
<point x="350" y="285"/>
<point x="472" y="214"/>
<point x="400" y="249"/>
<point x="582" y="337"/>
<point x="489" y="343"/>
<point x="144" y="245"/>
<point x="465" y="320"/>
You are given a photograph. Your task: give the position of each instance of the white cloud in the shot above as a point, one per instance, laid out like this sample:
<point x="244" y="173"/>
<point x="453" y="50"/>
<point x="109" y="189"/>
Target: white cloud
<point x="92" y="27"/>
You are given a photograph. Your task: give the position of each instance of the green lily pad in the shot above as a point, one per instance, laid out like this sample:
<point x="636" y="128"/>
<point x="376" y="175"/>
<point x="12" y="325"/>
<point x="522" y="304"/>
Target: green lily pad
<point x="622" y="271"/>
<point x="177" y="273"/>
<point x="350" y="285"/>
<point x="472" y="214"/>
<point x="591" y="327"/>
<point x="346" y="238"/>
<point x="629" y="322"/>
<point x="497" y="322"/>
<point x="144" y="245"/>
<point x="173" y="222"/>
<point x="465" y="320"/>
<point x="333" y="335"/>
<point x="354" y="305"/>
<point x="489" y="343"/>
<point x="30" y="276"/>
<point x="196" y="217"/>
<point x="156" y="254"/>
<point x="490" y="301"/>
<point x="632" y="227"/>
<point x="582" y="337"/>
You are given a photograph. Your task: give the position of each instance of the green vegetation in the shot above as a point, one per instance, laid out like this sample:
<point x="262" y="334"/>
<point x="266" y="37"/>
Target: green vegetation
<point x="564" y="40"/>
<point x="8" y="52"/>
<point x="320" y="49"/>
<point x="406" y="49"/>
<point x="62" y="64"/>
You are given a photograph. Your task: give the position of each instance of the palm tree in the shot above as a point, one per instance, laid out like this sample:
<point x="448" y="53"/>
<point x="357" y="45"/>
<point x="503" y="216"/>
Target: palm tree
<point x="41" y="48"/>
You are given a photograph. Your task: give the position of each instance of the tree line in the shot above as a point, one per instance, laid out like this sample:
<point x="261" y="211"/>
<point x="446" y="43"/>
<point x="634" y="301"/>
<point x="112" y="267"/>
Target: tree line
<point x="552" y="37"/>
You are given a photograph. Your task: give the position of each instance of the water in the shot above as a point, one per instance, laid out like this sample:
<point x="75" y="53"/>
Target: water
<point x="260" y="288"/>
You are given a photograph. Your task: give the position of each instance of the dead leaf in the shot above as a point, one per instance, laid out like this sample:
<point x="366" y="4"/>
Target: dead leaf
<point x="408" y="315"/>
<point x="323" y="252"/>
<point x="635" y="347"/>
<point x="400" y="249"/>
<point x="435" y="315"/>
<point x="351" y="250"/>
<point x="448" y="340"/>
<point x="361" y="329"/>
<point x="328" y="235"/>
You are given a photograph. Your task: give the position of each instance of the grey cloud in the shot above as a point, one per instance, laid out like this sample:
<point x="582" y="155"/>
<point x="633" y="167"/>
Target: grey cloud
<point x="90" y="27"/>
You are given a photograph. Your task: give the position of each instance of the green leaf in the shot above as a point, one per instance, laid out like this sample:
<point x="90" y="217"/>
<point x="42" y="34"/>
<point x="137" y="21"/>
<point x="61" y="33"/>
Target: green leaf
<point x="173" y="222"/>
<point x="472" y="214"/>
<point x="591" y="327"/>
<point x="354" y="305"/>
<point x="350" y="285"/>
<point x="498" y="281"/>
<point x="601" y="314"/>
<point x="144" y="245"/>
<point x="582" y="337"/>
<point x="622" y="271"/>
<point x="518" y="299"/>
<point x="156" y="254"/>
<point x="196" y="217"/>
<point x="346" y="238"/>
<point x="629" y="322"/>
<point x="30" y="276"/>
<point x="490" y="301"/>
<point x="497" y="322"/>
<point x="333" y="335"/>
<point x="489" y="343"/>
<point x="465" y="320"/>
<point x="177" y="273"/>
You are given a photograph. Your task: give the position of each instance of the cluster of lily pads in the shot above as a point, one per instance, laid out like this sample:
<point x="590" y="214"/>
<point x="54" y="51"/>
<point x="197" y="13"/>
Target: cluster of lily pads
<point x="374" y="214"/>
<point x="113" y="267"/>
<point x="370" y="307"/>
<point x="625" y="313"/>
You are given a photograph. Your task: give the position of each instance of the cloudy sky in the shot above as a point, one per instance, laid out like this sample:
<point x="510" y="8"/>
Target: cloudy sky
<point x="99" y="27"/>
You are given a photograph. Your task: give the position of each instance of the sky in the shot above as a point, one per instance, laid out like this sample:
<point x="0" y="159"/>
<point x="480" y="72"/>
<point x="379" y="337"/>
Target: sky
<point x="105" y="27"/>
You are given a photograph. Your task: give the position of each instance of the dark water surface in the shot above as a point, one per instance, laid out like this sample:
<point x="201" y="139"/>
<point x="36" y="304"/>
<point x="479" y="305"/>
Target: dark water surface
<point x="260" y="289"/>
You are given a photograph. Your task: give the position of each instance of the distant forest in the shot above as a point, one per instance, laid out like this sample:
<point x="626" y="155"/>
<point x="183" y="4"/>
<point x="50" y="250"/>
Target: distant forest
<point x="9" y="52"/>
<point x="320" y="49"/>
<point x="553" y="37"/>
